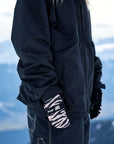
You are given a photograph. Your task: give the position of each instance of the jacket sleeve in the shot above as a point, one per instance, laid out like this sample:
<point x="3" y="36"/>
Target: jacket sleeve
<point x="97" y="71"/>
<point x="31" y="40"/>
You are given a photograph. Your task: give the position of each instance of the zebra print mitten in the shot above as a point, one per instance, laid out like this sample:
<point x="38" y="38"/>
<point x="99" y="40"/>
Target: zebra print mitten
<point x="56" y="112"/>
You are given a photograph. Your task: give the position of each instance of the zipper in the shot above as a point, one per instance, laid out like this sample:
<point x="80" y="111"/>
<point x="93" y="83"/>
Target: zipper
<point x="85" y="85"/>
<point x="81" y="27"/>
<point x="81" y="17"/>
<point x="52" y="13"/>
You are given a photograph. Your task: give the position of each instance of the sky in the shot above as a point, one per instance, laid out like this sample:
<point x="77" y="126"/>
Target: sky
<point x="6" y="13"/>
<point x="102" y="12"/>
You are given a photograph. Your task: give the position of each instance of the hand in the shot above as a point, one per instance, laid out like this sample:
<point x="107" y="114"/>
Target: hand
<point x="96" y="103"/>
<point x="56" y="113"/>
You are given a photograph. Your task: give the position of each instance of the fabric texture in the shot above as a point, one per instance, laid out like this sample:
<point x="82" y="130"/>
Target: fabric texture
<point x="31" y="40"/>
<point x="53" y="41"/>
<point x="42" y="132"/>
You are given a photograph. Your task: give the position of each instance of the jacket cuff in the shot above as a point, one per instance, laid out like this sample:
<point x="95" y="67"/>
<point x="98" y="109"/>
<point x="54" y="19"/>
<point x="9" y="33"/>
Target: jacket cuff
<point x="99" y="85"/>
<point x="51" y="93"/>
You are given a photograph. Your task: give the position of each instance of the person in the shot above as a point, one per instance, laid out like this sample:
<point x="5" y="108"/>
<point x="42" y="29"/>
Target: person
<point x="59" y="70"/>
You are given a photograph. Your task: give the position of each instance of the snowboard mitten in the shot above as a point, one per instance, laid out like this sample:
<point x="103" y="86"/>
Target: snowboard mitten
<point x="96" y="103"/>
<point x="56" y="112"/>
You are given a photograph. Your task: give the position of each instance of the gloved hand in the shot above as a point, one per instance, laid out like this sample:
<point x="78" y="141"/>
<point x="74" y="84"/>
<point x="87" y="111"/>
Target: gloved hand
<point x="56" y="112"/>
<point x="96" y="103"/>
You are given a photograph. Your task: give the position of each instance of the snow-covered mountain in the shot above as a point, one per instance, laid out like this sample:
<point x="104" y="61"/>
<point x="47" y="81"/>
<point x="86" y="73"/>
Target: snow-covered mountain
<point x="15" y="137"/>
<point x="102" y="132"/>
<point x="12" y="112"/>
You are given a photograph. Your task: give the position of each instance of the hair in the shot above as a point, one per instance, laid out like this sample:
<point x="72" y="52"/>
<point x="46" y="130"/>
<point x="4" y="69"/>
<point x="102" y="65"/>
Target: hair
<point x="87" y="2"/>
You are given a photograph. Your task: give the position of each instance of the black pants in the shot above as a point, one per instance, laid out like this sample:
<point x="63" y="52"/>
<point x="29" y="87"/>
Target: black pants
<point x="41" y="131"/>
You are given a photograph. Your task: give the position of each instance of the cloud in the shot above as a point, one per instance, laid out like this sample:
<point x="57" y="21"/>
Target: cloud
<point x="102" y="18"/>
<point x="7" y="57"/>
<point x="101" y="14"/>
<point x="6" y="18"/>
<point x="106" y="54"/>
<point x="4" y="107"/>
<point x="16" y="122"/>
<point x="7" y="53"/>
<point x="7" y="14"/>
<point x="13" y="120"/>
<point x="6" y="104"/>
<point x="101" y="31"/>
<point x="102" y="11"/>
<point x="104" y="47"/>
<point x="7" y="5"/>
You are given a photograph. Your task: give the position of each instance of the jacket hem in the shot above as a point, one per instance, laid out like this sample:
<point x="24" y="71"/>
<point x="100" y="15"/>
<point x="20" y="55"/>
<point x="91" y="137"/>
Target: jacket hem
<point x="78" y="114"/>
<point x="37" y="109"/>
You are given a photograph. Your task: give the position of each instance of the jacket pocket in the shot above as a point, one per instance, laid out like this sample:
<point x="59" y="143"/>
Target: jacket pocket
<point x="31" y="118"/>
<point x="66" y="100"/>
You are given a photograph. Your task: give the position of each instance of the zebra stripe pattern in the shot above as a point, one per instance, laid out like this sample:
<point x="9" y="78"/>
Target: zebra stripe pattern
<point x="58" y="118"/>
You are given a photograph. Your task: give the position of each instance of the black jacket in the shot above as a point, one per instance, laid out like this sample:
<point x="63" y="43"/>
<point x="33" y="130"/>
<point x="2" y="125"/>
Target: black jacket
<point x="56" y="53"/>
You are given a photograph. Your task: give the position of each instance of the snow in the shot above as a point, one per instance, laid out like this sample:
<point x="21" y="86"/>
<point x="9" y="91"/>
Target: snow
<point x="1" y="105"/>
<point x="113" y="123"/>
<point x="93" y="139"/>
<point x="103" y="47"/>
<point x="13" y="120"/>
<point x="98" y="126"/>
